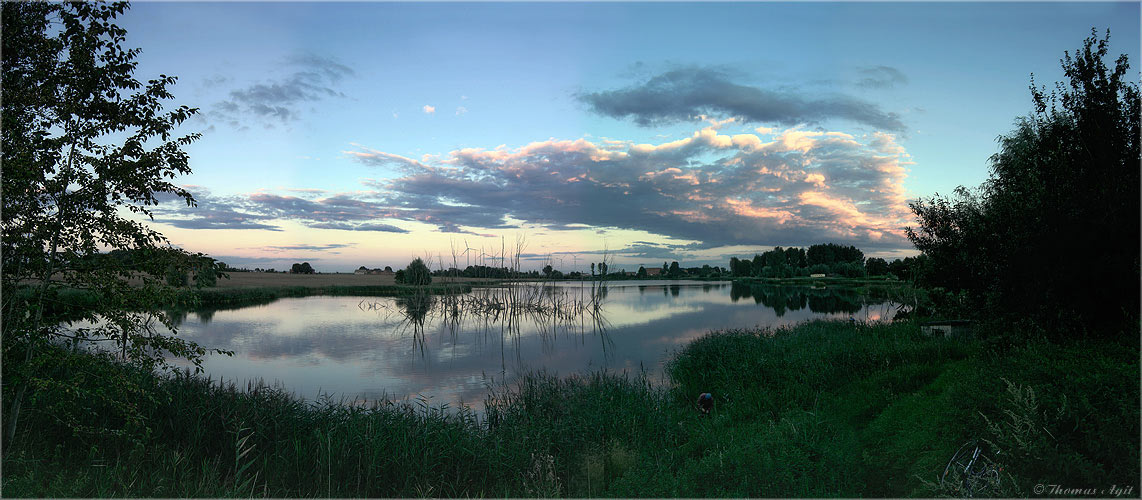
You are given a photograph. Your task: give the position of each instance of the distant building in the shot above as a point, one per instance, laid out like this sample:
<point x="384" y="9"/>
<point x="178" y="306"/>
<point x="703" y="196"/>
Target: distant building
<point x="952" y="328"/>
<point x="817" y="275"/>
<point x="654" y="271"/>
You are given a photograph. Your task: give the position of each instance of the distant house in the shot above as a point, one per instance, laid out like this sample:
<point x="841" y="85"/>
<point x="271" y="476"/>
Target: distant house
<point x="629" y="273"/>
<point x="654" y="271"/>
<point x="817" y="275"/>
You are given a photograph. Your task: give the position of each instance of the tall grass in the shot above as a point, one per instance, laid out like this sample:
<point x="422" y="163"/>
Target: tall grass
<point x="820" y="409"/>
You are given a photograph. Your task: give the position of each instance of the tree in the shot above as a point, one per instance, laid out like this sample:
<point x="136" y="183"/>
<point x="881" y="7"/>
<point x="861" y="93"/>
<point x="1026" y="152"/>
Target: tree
<point x="876" y="266"/>
<point x="547" y="270"/>
<point x="302" y="268"/>
<point x="831" y="253"/>
<point x="602" y="269"/>
<point x="775" y="257"/>
<point x="898" y="268"/>
<point x="641" y="272"/>
<point x="1067" y="177"/>
<point x="675" y="270"/>
<point x="740" y="267"/>
<point x="84" y="142"/>
<point x="795" y="257"/>
<point x="417" y="273"/>
<point x="757" y="266"/>
<point x="207" y="271"/>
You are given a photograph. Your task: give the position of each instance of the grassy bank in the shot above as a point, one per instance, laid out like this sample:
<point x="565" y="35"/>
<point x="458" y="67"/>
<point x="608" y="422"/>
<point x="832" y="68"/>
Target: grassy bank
<point x="821" y="409"/>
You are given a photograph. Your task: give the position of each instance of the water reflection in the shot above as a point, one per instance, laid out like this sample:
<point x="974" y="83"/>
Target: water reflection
<point x="818" y="299"/>
<point x="450" y="348"/>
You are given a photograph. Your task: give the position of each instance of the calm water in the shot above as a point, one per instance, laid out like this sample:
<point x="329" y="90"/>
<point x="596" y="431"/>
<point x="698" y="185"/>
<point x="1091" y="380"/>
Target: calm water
<point x="353" y="348"/>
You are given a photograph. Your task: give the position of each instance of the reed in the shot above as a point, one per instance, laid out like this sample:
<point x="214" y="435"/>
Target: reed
<point x="820" y="409"/>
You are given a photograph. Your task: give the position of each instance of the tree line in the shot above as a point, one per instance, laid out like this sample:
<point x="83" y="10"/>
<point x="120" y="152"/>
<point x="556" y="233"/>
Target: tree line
<point x="825" y="258"/>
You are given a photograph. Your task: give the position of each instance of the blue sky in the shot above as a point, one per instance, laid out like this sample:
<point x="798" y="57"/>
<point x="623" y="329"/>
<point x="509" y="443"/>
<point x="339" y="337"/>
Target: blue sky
<point x="352" y="134"/>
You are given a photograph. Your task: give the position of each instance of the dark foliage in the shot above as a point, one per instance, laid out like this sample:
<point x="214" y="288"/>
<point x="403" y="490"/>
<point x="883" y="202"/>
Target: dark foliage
<point x="1065" y="179"/>
<point x="417" y="273"/>
<point x="303" y="268"/>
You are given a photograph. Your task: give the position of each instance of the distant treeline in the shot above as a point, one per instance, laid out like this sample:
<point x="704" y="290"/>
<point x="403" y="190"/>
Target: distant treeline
<point x="826" y="258"/>
<point x="176" y="268"/>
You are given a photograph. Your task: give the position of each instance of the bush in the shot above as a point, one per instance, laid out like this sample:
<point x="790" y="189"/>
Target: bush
<point x="417" y="273"/>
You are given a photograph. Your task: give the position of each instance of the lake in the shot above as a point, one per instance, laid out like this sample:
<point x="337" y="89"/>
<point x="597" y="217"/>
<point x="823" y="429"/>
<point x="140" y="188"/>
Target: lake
<point x="451" y="349"/>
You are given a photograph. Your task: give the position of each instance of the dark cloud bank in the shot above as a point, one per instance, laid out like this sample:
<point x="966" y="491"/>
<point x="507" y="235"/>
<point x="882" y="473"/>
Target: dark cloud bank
<point x="682" y="94"/>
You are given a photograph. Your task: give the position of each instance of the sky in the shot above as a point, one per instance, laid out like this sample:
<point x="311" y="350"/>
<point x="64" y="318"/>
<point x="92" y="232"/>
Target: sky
<point x="350" y="134"/>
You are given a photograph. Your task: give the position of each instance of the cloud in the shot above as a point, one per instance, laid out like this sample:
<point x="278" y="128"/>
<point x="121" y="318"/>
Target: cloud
<point x="347" y="226"/>
<point x="211" y="212"/>
<point x="712" y="189"/>
<point x="429" y="109"/>
<point x="279" y="100"/>
<point x="461" y="110"/>
<point x="880" y="77"/>
<point x="376" y="158"/>
<point x="306" y="248"/>
<point x="791" y="188"/>
<point x="685" y="94"/>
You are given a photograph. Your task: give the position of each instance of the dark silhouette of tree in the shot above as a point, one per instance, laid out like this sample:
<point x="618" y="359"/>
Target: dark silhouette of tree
<point x="675" y="270"/>
<point x="757" y="266"/>
<point x="898" y="268"/>
<point x="417" y="273"/>
<point x="83" y="143"/>
<point x="547" y="270"/>
<point x="641" y="272"/>
<point x="302" y="268"/>
<point x="876" y="266"/>
<point x="831" y="253"/>
<point x="1065" y="179"/>
<point x="795" y="257"/>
